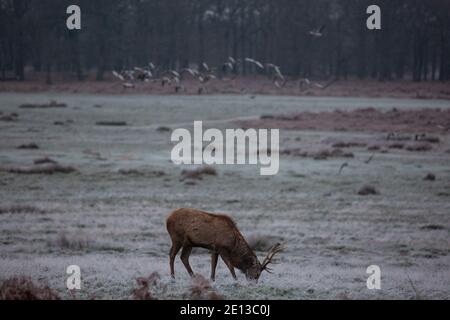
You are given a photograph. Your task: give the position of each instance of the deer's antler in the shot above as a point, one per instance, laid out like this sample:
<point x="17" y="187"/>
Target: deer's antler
<point x="269" y="258"/>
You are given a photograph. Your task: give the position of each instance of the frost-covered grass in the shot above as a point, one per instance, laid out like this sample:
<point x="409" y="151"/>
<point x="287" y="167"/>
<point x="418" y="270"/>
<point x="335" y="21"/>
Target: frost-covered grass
<point x="112" y="223"/>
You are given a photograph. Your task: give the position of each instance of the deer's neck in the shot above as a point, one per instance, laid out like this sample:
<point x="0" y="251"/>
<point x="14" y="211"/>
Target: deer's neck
<point x="242" y="254"/>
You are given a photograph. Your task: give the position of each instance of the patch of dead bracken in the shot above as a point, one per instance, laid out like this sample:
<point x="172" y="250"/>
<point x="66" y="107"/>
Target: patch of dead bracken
<point x="51" y="104"/>
<point x="111" y="123"/>
<point x="163" y="129"/>
<point x="426" y="120"/>
<point x="19" y="208"/>
<point x="23" y="288"/>
<point x="348" y="144"/>
<point x="433" y="227"/>
<point x="430" y="177"/>
<point x="46" y="168"/>
<point x="201" y="289"/>
<point x="9" y="117"/>
<point x="28" y="146"/>
<point x="44" y="160"/>
<point x="368" y="190"/>
<point x="419" y="147"/>
<point x="319" y="154"/>
<point x="139" y="172"/>
<point x="198" y="172"/>
<point x="396" y="145"/>
<point x="373" y="148"/>
<point x="144" y="287"/>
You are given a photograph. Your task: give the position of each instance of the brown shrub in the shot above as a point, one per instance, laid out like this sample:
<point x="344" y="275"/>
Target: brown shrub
<point x="23" y="288"/>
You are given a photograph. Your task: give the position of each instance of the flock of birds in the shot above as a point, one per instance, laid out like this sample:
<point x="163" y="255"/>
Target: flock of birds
<point x="204" y="74"/>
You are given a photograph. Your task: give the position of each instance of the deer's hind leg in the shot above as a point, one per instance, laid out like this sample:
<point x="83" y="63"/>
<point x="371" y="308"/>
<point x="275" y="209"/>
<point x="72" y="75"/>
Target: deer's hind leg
<point x="185" y="253"/>
<point x="176" y="246"/>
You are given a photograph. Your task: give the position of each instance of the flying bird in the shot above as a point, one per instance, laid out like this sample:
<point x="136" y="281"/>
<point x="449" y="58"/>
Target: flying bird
<point x="118" y="75"/>
<point x="205" y="66"/>
<point x="326" y="85"/>
<point x="192" y="72"/>
<point x="255" y="62"/>
<point x="275" y="73"/>
<point x="317" y="32"/>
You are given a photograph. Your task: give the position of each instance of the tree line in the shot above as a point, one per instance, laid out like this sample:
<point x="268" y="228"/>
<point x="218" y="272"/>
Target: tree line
<point x="413" y="43"/>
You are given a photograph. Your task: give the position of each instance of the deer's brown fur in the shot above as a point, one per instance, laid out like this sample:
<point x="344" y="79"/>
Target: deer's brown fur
<point x="218" y="233"/>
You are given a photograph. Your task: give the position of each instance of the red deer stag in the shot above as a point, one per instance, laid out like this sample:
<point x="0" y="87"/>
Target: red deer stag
<point x="190" y="228"/>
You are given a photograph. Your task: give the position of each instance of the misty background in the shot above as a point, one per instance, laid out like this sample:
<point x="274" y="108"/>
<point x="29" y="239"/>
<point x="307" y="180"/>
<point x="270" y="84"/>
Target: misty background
<point x="414" y="42"/>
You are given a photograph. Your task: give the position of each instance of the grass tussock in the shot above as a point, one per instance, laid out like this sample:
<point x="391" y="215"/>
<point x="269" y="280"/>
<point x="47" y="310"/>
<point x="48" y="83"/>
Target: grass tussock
<point x="23" y="288"/>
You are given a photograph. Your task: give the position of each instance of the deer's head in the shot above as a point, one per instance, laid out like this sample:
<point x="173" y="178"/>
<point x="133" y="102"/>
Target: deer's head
<point x="255" y="268"/>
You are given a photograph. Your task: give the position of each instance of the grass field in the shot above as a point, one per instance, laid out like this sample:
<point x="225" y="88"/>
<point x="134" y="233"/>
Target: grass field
<point x="108" y="216"/>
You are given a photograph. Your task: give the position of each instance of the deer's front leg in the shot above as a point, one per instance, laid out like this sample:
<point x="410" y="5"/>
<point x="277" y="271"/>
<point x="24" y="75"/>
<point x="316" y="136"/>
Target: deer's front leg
<point x="214" y="258"/>
<point x="185" y="253"/>
<point x="227" y="261"/>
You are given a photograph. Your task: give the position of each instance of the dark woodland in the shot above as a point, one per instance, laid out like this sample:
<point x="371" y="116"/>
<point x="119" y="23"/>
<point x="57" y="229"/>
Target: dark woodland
<point x="414" y="42"/>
